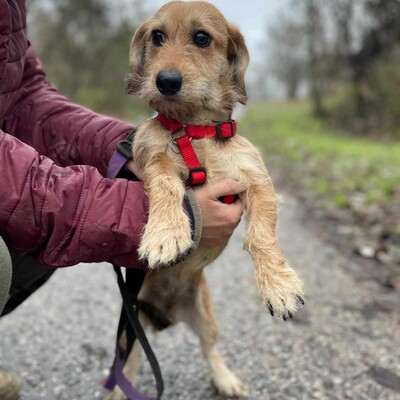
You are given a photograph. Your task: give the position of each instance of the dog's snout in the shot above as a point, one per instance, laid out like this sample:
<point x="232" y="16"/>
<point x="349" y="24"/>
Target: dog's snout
<point x="169" y="82"/>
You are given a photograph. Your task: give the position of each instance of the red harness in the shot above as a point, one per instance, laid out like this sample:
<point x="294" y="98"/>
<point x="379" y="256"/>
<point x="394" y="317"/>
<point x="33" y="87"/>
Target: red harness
<point x="222" y="131"/>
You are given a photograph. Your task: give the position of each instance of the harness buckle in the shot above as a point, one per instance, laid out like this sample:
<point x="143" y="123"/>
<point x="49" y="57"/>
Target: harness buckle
<point x="220" y="135"/>
<point x="125" y="146"/>
<point x="197" y="176"/>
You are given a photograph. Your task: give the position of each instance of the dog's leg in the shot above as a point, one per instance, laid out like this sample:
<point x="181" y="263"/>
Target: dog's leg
<point x="201" y="319"/>
<point x="167" y="234"/>
<point x="278" y="284"/>
<point x="130" y="370"/>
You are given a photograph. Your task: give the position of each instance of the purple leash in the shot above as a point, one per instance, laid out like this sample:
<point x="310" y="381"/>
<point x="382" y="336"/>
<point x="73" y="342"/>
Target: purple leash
<point x="130" y="324"/>
<point x="117" y="377"/>
<point x="129" y="320"/>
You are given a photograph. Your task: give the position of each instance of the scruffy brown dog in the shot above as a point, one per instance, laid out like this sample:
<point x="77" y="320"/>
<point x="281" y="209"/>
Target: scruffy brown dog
<point x="188" y="63"/>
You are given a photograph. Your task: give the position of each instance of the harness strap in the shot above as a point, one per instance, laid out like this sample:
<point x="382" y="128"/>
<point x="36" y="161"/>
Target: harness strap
<point x="197" y="174"/>
<point x="219" y="131"/>
<point x="171" y="124"/>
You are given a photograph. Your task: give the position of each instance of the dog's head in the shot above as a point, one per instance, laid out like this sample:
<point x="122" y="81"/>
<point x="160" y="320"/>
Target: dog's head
<point x="188" y="59"/>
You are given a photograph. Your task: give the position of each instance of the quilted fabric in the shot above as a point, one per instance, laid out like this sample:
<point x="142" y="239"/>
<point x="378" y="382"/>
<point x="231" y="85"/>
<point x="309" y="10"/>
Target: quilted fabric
<point x="54" y="199"/>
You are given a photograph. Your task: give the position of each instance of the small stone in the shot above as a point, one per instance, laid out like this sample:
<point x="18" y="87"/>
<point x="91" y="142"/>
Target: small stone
<point x="366" y="251"/>
<point x="385" y="377"/>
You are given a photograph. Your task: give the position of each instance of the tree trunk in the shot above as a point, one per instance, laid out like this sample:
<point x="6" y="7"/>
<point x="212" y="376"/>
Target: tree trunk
<point x="314" y="38"/>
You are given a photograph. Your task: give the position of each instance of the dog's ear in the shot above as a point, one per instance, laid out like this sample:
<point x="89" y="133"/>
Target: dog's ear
<point x="238" y="56"/>
<point x="136" y="58"/>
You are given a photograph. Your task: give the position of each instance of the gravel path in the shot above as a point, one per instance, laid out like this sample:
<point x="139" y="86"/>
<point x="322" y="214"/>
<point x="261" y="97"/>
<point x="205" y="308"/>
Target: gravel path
<point x="344" y="344"/>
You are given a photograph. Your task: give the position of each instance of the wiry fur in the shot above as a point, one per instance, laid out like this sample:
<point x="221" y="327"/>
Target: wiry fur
<point x="213" y="81"/>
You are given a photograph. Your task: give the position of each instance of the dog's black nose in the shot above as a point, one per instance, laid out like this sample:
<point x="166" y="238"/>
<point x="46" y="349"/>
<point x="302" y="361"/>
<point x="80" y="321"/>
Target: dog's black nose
<point x="169" y="82"/>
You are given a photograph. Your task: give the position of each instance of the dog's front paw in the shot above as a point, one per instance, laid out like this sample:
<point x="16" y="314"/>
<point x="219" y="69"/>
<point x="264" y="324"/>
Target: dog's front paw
<point x="281" y="291"/>
<point x="116" y="394"/>
<point x="228" y="384"/>
<point x="164" y="244"/>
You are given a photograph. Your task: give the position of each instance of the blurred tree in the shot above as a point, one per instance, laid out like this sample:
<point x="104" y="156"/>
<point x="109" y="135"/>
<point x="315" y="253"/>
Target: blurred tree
<point x="343" y="18"/>
<point x="298" y="52"/>
<point x="84" y="45"/>
<point x="316" y="47"/>
<point x="349" y="51"/>
<point x="287" y="54"/>
<point x="378" y="40"/>
<point x="383" y="34"/>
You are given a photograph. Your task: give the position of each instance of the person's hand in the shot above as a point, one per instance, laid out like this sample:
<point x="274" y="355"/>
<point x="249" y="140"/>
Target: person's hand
<point x="219" y="219"/>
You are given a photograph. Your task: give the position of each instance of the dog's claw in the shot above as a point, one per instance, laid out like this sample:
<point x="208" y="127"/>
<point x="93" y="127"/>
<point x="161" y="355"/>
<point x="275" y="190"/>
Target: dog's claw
<point x="271" y="310"/>
<point x="283" y="295"/>
<point x="300" y="300"/>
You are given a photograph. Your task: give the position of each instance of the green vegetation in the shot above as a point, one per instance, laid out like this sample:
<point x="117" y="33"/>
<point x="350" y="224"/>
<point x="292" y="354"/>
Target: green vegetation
<point x="328" y="163"/>
<point x="373" y="107"/>
<point x="323" y="45"/>
<point x="84" y="46"/>
<point x="135" y="111"/>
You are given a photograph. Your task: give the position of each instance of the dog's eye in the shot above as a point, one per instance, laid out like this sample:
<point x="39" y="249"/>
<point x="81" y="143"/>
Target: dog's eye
<point x="201" y="39"/>
<point x="158" y="38"/>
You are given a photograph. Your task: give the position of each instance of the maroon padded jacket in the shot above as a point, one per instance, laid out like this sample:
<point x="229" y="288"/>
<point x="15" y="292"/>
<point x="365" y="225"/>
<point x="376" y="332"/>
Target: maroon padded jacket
<point x="54" y="199"/>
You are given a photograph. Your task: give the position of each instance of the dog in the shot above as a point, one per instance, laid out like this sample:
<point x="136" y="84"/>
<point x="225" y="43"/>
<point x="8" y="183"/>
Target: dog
<point x="189" y="64"/>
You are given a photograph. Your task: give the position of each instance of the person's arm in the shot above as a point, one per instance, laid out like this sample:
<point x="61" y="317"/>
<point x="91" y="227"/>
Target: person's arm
<point x="69" y="135"/>
<point x="67" y="215"/>
<point x="65" y="132"/>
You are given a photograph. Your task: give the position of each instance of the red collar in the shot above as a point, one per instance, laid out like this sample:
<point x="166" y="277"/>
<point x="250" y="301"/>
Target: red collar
<point x="219" y="131"/>
<point x="222" y="131"/>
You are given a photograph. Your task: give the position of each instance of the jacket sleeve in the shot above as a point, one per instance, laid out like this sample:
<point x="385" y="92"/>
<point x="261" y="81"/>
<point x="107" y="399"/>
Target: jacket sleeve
<point x="66" y="133"/>
<point x="67" y="215"/>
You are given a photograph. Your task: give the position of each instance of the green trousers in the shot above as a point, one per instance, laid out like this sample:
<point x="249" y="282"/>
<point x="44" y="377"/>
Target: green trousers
<point x="5" y="274"/>
<point x="20" y="276"/>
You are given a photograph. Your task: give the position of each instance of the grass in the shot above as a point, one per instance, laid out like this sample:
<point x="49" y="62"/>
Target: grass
<point x="329" y="163"/>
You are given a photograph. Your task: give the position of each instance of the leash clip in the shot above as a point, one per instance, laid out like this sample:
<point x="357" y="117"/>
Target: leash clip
<point x="175" y="137"/>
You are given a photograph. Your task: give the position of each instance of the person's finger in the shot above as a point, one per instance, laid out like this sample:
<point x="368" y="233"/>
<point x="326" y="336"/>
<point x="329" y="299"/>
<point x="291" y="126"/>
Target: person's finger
<point x="224" y="188"/>
<point x="236" y="211"/>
